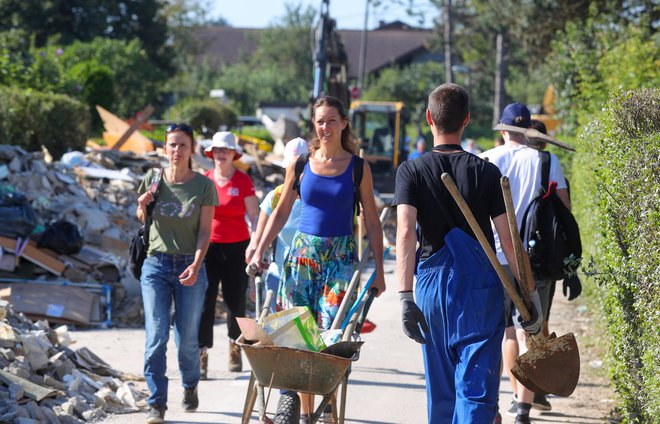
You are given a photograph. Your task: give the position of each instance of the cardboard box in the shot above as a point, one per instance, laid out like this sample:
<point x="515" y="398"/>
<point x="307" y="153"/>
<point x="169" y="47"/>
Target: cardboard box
<point x="66" y="304"/>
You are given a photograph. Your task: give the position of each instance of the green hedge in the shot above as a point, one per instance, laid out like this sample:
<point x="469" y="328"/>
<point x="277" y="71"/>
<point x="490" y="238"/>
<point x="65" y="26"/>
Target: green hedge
<point x="31" y="118"/>
<point x="618" y="180"/>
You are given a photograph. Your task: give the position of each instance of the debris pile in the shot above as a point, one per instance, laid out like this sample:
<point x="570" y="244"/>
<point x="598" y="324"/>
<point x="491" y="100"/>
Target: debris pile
<point x="96" y="192"/>
<point x="45" y="381"/>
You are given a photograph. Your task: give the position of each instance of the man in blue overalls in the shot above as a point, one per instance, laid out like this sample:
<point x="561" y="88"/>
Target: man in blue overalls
<point x="459" y="314"/>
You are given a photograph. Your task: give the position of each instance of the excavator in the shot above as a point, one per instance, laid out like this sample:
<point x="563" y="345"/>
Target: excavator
<point x="380" y="126"/>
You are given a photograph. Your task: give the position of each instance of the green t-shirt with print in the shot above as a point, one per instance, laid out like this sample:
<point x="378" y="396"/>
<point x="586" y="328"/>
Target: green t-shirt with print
<point x="175" y="220"/>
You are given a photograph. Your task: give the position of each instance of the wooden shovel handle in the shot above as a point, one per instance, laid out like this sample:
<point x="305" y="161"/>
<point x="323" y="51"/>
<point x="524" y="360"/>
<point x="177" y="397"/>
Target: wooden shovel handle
<point x="523" y="271"/>
<point x="508" y="286"/>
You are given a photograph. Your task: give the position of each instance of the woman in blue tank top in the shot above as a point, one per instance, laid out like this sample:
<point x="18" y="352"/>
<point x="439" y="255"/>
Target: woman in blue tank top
<point x="322" y="258"/>
<point x="321" y="261"/>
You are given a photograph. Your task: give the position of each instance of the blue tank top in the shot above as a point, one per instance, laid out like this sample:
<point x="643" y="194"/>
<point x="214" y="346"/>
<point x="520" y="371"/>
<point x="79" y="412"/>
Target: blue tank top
<point x="327" y="203"/>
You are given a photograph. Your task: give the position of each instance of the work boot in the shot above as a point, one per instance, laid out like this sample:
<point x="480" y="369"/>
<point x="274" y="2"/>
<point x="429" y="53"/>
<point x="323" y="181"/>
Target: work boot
<point x="156" y="414"/>
<point x="190" y="400"/>
<point x="203" y="364"/>
<point x="235" y="360"/>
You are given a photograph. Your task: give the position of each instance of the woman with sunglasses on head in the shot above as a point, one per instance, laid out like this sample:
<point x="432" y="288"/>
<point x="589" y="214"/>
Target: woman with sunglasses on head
<point x="322" y="258"/>
<point x="173" y="270"/>
<point x="230" y="237"/>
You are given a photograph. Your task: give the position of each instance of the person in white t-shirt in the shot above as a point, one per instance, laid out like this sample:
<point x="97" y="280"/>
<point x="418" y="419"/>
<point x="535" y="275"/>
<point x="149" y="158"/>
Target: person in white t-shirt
<point x="522" y="164"/>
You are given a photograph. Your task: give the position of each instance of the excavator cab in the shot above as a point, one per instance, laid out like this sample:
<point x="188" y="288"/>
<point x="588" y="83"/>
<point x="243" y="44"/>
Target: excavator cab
<point x="380" y="128"/>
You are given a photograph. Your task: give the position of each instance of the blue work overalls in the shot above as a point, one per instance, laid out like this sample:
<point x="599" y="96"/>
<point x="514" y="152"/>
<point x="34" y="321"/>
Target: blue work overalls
<point x="463" y="303"/>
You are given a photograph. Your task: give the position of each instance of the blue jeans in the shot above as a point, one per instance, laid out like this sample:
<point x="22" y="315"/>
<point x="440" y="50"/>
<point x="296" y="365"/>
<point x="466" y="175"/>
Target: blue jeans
<point x="160" y="284"/>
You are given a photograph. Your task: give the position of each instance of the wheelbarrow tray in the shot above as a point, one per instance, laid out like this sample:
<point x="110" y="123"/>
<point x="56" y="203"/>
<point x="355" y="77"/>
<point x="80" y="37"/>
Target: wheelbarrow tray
<point x="294" y="369"/>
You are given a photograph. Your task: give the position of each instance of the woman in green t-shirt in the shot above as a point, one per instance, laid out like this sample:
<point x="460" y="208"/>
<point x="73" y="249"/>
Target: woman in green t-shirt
<point x="174" y="269"/>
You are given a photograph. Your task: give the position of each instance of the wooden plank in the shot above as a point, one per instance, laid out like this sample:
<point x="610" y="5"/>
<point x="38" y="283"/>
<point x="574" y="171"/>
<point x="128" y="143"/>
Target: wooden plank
<point x="32" y="391"/>
<point x="42" y="257"/>
<point x="139" y="120"/>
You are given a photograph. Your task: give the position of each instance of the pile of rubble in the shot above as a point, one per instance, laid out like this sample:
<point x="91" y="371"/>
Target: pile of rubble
<point x="96" y="192"/>
<point x="45" y="381"/>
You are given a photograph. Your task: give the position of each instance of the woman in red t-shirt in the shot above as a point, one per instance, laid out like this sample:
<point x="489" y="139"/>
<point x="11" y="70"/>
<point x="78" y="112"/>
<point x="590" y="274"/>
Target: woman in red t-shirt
<point x="229" y="240"/>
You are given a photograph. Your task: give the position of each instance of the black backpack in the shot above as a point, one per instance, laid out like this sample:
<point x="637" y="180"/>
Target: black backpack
<point x="137" y="251"/>
<point x="553" y="236"/>
<point x="357" y="177"/>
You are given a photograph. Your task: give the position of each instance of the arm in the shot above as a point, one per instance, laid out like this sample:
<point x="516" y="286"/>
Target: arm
<point x="189" y="276"/>
<point x="252" y="209"/>
<point x="256" y="236"/>
<point x="373" y="226"/>
<point x="143" y="201"/>
<point x="503" y="231"/>
<point x="277" y="220"/>
<point x="406" y="242"/>
<point x="562" y="193"/>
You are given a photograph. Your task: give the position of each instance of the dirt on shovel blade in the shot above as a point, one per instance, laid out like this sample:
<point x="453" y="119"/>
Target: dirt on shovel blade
<point x="552" y="366"/>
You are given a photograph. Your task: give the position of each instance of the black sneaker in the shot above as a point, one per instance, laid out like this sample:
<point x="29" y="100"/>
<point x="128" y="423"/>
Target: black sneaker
<point x="190" y="401"/>
<point x="541" y="403"/>
<point x="513" y="409"/>
<point x="156" y="414"/>
<point x="523" y="419"/>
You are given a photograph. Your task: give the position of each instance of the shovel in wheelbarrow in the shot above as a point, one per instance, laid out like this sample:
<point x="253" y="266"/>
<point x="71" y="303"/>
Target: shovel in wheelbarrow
<point x="551" y="365"/>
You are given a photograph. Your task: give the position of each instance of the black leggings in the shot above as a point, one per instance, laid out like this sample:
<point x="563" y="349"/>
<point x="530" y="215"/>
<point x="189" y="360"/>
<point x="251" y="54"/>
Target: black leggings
<point x="224" y="262"/>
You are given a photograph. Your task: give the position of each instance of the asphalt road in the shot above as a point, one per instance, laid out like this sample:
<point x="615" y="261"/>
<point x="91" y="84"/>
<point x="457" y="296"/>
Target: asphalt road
<point x="386" y="384"/>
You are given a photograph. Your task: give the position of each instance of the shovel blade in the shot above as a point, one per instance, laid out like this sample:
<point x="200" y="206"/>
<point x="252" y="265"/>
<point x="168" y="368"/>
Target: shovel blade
<point x="550" y="367"/>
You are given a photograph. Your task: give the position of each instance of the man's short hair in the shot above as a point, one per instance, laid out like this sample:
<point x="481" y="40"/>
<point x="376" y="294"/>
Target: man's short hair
<point x="449" y="105"/>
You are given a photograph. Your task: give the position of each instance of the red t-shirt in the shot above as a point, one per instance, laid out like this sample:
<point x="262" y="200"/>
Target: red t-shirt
<point x="229" y="225"/>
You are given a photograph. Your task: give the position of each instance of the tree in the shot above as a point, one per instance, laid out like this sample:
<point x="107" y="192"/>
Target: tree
<point x="66" y="21"/>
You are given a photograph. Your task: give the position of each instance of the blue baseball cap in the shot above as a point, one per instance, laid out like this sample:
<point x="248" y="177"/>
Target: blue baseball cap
<point x="516" y="114"/>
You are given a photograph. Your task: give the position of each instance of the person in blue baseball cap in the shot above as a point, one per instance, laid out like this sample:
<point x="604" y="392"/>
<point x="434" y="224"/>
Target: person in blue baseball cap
<point x="522" y="163"/>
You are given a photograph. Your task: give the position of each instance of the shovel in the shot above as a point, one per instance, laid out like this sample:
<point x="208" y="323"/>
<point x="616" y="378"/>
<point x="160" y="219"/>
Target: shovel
<point x="554" y="354"/>
<point x="551" y="365"/>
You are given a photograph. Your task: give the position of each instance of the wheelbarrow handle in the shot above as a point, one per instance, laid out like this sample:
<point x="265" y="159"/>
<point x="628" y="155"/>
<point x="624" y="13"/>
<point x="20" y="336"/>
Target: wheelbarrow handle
<point x="508" y="286"/>
<point x="365" y="310"/>
<point x="523" y="271"/>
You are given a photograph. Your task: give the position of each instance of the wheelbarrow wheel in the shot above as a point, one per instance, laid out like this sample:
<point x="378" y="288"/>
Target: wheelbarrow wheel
<point x="288" y="408"/>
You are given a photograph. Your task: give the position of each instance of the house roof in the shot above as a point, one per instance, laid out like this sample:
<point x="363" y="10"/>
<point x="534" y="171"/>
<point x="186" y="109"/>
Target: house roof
<point x="386" y="45"/>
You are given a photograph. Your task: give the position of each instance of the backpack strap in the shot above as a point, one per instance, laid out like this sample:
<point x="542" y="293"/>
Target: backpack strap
<point x="154" y="187"/>
<point x="358" y="170"/>
<point x="545" y="170"/>
<point x="300" y="166"/>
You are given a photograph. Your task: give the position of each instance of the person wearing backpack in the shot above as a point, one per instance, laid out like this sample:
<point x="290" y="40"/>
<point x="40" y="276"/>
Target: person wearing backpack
<point x="323" y="256"/>
<point x="522" y="163"/>
<point x="457" y="309"/>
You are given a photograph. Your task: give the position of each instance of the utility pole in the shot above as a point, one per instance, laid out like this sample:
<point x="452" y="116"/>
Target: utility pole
<point x="363" y="47"/>
<point x="447" y="40"/>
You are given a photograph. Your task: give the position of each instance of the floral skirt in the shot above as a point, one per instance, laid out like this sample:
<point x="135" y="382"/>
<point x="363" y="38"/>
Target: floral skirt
<point x="316" y="273"/>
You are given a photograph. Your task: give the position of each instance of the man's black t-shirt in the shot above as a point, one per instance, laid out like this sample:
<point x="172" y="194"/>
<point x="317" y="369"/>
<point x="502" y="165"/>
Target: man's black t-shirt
<point x="418" y="184"/>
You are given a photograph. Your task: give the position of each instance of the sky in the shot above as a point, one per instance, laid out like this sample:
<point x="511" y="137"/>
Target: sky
<point x="349" y="14"/>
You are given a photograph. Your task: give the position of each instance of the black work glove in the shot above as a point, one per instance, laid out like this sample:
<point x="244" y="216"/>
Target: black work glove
<point x="412" y="318"/>
<point x="535" y="324"/>
<point x="573" y="283"/>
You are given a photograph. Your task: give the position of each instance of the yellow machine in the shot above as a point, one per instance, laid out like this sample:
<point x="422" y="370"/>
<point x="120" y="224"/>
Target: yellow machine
<point x="548" y="116"/>
<point x="380" y="127"/>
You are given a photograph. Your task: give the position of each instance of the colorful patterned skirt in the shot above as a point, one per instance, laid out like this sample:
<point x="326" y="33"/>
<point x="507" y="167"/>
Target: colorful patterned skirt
<point x="316" y="273"/>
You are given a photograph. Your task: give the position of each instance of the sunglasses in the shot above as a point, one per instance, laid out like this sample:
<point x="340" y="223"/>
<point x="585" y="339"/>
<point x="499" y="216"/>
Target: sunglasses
<point x="179" y="127"/>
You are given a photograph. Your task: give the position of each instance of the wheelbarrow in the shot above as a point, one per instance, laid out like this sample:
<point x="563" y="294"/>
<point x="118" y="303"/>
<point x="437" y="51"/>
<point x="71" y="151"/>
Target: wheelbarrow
<point x="293" y="370"/>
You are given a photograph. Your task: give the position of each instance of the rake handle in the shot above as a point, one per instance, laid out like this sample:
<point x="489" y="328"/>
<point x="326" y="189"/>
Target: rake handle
<point x="508" y="286"/>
